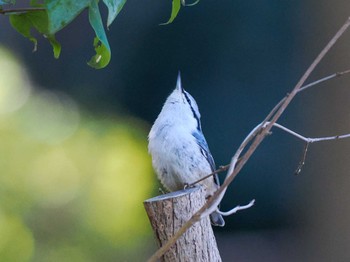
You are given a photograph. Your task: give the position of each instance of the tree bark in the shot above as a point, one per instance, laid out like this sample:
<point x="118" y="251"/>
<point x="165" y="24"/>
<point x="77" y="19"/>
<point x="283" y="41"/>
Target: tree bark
<point x="168" y="212"/>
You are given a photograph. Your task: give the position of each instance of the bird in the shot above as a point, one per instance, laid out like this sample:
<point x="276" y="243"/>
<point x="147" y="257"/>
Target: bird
<point x="179" y="151"/>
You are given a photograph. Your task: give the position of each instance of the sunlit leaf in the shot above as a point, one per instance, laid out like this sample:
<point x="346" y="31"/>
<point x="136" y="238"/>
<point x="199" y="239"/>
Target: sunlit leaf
<point x="114" y="7"/>
<point x="101" y="45"/>
<point x="176" y="5"/>
<point x="62" y="12"/>
<point x="24" y="22"/>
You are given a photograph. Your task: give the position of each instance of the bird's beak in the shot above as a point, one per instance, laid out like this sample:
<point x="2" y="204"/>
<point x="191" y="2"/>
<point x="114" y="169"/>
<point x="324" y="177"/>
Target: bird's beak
<point x="178" y="83"/>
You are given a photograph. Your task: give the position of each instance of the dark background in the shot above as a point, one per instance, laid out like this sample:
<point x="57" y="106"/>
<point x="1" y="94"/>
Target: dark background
<point x="238" y="59"/>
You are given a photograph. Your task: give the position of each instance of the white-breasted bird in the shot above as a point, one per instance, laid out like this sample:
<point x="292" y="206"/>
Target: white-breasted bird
<point x="180" y="153"/>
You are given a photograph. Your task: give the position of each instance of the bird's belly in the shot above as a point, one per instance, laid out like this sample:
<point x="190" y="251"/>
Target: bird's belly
<point x="179" y="162"/>
<point x="175" y="175"/>
<point x="174" y="181"/>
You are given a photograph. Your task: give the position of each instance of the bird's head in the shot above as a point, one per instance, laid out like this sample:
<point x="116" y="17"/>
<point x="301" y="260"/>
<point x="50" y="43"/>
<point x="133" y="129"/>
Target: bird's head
<point x="182" y="107"/>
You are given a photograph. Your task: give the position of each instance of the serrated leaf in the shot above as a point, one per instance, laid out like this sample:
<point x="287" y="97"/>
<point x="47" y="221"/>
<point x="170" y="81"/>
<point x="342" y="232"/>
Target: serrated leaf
<point x="176" y="5"/>
<point x="24" y="22"/>
<point x="114" y="7"/>
<point x="101" y="45"/>
<point x="62" y="12"/>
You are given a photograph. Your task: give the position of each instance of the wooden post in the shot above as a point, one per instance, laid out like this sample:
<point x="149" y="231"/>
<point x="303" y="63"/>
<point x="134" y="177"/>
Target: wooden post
<point x="168" y="212"/>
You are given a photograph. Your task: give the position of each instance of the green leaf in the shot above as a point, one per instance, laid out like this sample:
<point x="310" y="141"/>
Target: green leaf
<point x="102" y="57"/>
<point x="174" y="11"/>
<point x="22" y="25"/>
<point x="55" y="45"/>
<point x="114" y="7"/>
<point x="62" y="12"/>
<point x="102" y="49"/>
<point x="24" y="22"/>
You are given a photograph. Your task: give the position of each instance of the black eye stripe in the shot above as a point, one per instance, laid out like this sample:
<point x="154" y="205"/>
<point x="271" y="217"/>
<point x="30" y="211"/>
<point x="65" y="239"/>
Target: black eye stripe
<point x="193" y="112"/>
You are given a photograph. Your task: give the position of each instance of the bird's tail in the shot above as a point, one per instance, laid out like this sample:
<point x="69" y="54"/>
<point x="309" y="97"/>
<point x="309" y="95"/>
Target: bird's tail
<point x="216" y="219"/>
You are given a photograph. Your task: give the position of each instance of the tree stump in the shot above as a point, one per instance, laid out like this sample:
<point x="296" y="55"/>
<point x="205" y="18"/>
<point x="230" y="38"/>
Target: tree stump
<point x="168" y="212"/>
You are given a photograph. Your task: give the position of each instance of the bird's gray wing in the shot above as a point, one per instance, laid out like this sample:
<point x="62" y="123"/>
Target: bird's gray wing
<point x="198" y="135"/>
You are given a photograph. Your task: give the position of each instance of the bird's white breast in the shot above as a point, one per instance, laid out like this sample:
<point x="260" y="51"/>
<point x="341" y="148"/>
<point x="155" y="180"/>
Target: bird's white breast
<point x="176" y="156"/>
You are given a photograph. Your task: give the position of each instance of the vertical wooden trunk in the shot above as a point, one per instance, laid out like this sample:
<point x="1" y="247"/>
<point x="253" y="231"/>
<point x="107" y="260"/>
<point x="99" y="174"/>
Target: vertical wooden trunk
<point x="167" y="213"/>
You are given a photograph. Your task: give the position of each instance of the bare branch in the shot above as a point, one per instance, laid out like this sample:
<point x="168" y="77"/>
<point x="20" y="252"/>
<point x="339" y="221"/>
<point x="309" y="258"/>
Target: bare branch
<point x="263" y="130"/>
<point x="219" y="170"/>
<point x="253" y="133"/>
<point x="292" y="132"/>
<point x="338" y="74"/>
<point x="313" y="140"/>
<point x="310" y="139"/>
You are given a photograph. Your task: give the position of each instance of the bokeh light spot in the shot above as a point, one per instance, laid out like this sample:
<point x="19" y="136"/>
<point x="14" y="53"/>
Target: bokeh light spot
<point x="16" y="241"/>
<point x="14" y="83"/>
<point x="120" y="186"/>
<point x="54" y="179"/>
<point x="71" y="184"/>
<point x="50" y="117"/>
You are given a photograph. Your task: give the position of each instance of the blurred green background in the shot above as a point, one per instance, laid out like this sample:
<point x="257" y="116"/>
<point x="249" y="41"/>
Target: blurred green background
<point x="72" y="183"/>
<point x="74" y="167"/>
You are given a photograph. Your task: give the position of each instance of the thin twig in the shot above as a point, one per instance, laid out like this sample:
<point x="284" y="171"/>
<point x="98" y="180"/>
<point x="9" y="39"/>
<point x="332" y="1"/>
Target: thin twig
<point x="259" y="135"/>
<point x="219" y="170"/>
<point x="302" y="161"/>
<point x="319" y="139"/>
<point x="311" y="139"/>
<point x="338" y="74"/>
<point x="21" y="10"/>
